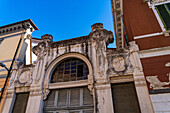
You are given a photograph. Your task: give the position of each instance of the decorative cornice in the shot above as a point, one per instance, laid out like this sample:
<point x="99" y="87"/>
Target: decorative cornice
<point x="18" y="26"/>
<point x="72" y="41"/>
<point x="121" y="79"/>
<point x="117" y="20"/>
<point x="68" y="84"/>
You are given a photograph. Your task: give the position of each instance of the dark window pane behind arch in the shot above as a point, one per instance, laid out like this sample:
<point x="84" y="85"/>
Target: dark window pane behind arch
<point x="70" y="70"/>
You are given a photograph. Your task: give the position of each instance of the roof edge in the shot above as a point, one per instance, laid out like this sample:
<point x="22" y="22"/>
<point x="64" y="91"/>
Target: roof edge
<point x="28" y="20"/>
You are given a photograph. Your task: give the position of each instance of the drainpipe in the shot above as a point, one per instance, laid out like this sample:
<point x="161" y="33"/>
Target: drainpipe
<point x="126" y="38"/>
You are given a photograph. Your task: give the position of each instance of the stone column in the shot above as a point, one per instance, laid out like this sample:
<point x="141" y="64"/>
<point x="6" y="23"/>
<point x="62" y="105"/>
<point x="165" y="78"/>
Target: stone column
<point x="139" y="80"/>
<point x="100" y="38"/>
<point x="104" y="98"/>
<point x="9" y="103"/>
<point x="10" y="98"/>
<point x="37" y="93"/>
<point x="35" y="102"/>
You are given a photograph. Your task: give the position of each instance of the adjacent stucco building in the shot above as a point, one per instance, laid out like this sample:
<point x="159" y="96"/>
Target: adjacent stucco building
<point x="14" y="47"/>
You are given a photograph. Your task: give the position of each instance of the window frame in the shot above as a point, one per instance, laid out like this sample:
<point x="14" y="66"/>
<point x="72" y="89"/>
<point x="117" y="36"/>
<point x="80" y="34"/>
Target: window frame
<point x="61" y="68"/>
<point x="69" y="84"/>
<point x="163" y="21"/>
<point x="158" y="17"/>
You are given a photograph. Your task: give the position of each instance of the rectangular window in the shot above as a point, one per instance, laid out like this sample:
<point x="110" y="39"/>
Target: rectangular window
<point x="72" y="100"/>
<point x="124" y="98"/>
<point x="164" y="13"/>
<point x="20" y="103"/>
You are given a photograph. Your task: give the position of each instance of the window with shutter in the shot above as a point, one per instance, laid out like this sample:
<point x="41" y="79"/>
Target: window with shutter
<point x="72" y="100"/>
<point x="75" y="97"/>
<point x="50" y="100"/>
<point x="88" y="111"/>
<point x="164" y="13"/>
<point x="124" y="98"/>
<point x="87" y="97"/>
<point x="62" y="98"/>
<point x="20" y="103"/>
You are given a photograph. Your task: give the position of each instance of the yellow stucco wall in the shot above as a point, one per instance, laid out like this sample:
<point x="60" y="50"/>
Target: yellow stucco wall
<point x="7" y="50"/>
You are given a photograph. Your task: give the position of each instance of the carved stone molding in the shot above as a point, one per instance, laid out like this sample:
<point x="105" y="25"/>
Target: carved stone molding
<point x="35" y="93"/>
<point x="121" y="79"/>
<point x="9" y="95"/>
<point x="100" y="34"/>
<point x="43" y="47"/>
<point x="118" y="25"/>
<point x="24" y="76"/>
<point x="119" y="63"/>
<point x="45" y="93"/>
<point x="22" y="89"/>
<point x="140" y="82"/>
<point x="17" y="65"/>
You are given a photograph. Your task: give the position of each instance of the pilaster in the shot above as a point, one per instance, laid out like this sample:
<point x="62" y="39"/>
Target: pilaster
<point x="139" y="80"/>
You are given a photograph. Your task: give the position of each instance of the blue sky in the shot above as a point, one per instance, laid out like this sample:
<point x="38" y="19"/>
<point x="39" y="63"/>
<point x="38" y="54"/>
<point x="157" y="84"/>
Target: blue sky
<point x="63" y="19"/>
